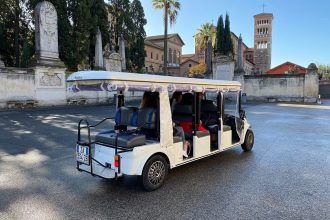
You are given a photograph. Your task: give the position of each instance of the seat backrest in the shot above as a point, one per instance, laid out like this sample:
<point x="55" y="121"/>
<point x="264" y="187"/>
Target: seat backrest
<point x="126" y="116"/>
<point x="209" y="113"/>
<point x="182" y="113"/>
<point x="208" y="106"/>
<point x="147" y="118"/>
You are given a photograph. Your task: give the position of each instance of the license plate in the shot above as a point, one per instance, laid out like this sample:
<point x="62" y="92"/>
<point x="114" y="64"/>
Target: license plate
<point x="82" y="154"/>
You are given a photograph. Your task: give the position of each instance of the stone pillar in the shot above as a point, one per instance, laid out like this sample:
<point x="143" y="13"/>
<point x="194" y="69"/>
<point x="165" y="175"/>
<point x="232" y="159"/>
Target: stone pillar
<point x="49" y="70"/>
<point x="122" y="53"/>
<point x="239" y="68"/>
<point x="311" y="85"/>
<point x="239" y="64"/>
<point x="98" y="51"/>
<point x="208" y="58"/>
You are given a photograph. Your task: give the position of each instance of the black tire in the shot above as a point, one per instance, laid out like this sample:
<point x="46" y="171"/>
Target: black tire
<point x="154" y="173"/>
<point x="248" y="141"/>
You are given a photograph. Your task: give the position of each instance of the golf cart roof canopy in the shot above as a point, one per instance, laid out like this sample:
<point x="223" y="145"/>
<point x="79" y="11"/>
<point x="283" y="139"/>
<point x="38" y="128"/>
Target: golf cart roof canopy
<point x="116" y="81"/>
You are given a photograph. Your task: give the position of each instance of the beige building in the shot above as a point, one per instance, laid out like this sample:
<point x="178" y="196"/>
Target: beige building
<point x="187" y="61"/>
<point x="154" y="48"/>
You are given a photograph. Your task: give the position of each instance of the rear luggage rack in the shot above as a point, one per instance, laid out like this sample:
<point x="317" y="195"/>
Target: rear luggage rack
<point x="84" y="124"/>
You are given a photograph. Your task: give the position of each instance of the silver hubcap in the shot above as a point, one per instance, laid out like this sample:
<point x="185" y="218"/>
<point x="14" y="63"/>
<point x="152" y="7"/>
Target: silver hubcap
<point x="156" y="172"/>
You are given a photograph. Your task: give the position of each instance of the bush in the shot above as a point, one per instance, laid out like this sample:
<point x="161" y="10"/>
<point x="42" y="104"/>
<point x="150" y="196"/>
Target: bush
<point x="197" y="70"/>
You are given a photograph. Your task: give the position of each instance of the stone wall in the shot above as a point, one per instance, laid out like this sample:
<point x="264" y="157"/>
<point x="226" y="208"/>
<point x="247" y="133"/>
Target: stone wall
<point x="325" y="88"/>
<point x="20" y="88"/>
<point x="17" y="86"/>
<point x="284" y="87"/>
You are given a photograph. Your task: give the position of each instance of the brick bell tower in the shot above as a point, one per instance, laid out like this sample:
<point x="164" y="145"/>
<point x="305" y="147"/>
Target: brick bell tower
<point x="263" y="24"/>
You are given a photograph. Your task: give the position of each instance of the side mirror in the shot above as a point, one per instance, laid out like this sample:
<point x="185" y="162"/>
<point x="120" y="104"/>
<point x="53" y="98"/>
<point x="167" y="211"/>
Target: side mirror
<point x="241" y="114"/>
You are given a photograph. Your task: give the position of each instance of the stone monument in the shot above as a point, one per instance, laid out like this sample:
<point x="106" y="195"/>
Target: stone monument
<point x="49" y="69"/>
<point x="113" y="62"/>
<point x="223" y="67"/>
<point x="98" y="51"/>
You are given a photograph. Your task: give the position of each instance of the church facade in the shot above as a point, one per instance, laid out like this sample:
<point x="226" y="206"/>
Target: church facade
<point x="154" y="48"/>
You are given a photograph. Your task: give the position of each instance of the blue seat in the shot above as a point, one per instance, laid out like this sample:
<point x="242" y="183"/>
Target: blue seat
<point x="145" y="119"/>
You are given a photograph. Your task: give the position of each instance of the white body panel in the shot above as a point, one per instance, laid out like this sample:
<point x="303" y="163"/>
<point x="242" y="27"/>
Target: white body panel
<point x="226" y="139"/>
<point x="201" y="146"/>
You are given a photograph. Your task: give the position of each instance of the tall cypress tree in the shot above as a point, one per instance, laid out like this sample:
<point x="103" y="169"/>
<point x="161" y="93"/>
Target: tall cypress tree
<point x="136" y="45"/>
<point x="80" y="16"/>
<point x="14" y="25"/>
<point x="121" y="21"/>
<point x="228" y="43"/>
<point x="220" y="48"/>
<point x="99" y="18"/>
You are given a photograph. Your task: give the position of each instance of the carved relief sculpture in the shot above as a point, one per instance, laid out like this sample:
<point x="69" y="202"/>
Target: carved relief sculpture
<point x="50" y="79"/>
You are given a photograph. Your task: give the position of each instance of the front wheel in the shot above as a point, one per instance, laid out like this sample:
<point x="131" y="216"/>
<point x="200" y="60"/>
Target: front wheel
<point x="248" y="141"/>
<point x="154" y="173"/>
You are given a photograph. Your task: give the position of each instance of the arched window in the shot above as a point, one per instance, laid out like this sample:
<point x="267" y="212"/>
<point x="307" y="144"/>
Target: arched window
<point x="170" y="55"/>
<point x="174" y="56"/>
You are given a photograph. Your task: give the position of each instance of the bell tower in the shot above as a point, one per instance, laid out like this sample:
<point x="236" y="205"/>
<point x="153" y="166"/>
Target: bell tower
<point x="263" y="24"/>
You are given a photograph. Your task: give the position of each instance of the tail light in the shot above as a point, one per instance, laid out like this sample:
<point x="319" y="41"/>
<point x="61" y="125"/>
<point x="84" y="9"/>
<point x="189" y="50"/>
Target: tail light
<point x="117" y="160"/>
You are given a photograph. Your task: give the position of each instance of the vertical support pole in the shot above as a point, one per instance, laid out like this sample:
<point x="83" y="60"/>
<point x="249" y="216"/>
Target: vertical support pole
<point x="120" y="99"/>
<point x="219" y="109"/>
<point x="194" y="110"/>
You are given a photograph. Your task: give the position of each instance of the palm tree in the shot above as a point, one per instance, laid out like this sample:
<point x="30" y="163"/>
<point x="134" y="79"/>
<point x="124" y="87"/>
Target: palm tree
<point x="171" y="8"/>
<point x="204" y="33"/>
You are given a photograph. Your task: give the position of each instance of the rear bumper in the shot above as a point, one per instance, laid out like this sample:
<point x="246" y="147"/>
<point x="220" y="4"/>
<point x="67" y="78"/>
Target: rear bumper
<point x="96" y="169"/>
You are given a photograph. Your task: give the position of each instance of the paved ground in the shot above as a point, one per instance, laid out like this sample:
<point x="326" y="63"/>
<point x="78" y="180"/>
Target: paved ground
<point x="286" y="176"/>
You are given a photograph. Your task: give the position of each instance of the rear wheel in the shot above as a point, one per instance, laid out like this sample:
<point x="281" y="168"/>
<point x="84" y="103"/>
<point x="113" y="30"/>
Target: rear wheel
<point x="248" y="141"/>
<point x="154" y="173"/>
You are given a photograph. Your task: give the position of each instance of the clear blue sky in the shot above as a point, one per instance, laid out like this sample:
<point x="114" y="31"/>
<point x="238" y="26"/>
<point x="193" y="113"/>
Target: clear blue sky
<point x="301" y="28"/>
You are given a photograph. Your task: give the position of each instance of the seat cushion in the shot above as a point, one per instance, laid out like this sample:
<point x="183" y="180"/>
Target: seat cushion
<point x="226" y="128"/>
<point x="124" y="139"/>
<point x="182" y="113"/>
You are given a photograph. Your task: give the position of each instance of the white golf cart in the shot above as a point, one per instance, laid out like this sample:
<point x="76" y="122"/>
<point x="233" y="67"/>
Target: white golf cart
<point x="142" y="142"/>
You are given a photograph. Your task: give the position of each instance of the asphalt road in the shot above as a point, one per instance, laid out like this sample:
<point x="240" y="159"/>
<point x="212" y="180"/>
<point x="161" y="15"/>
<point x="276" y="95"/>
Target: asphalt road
<point x="286" y="176"/>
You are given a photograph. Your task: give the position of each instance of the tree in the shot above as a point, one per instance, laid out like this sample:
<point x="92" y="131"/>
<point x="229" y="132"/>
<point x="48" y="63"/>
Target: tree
<point x="220" y="37"/>
<point x="136" y="53"/>
<point x="197" y="71"/>
<point x="171" y="8"/>
<point x="121" y="24"/>
<point x="98" y="18"/>
<point x="120" y="20"/>
<point x="14" y="25"/>
<point x="228" y="42"/>
<point x="324" y="71"/>
<point x="205" y="32"/>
